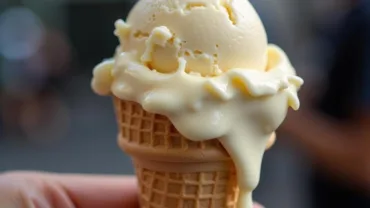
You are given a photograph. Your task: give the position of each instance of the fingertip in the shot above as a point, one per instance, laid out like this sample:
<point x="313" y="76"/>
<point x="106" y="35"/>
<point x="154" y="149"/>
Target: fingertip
<point x="256" y="205"/>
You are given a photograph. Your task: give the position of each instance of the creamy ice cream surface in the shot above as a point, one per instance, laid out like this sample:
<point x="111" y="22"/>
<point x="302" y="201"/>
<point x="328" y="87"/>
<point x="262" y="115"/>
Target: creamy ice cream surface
<point x="206" y="65"/>
<point x="211" y="35"/>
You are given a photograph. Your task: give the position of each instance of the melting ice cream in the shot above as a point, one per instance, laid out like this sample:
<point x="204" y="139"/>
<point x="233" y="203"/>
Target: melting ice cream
<point x="206" y="65"/>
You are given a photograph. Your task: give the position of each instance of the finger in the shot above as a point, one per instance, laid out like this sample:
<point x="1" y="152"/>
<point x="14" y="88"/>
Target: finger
<point x="256" y="205"/>
<point x="100" y="191"/>
<point x="84" y="191"/>
<point x="271" y="141"/>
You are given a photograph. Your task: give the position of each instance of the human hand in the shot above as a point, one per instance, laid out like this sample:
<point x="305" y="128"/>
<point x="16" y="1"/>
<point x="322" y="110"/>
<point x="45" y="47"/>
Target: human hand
<point x="271" y="141"/>
<point x="47" y="190"/>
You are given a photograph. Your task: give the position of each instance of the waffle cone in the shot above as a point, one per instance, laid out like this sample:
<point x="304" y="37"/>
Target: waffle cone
<point x="172" y="171"/>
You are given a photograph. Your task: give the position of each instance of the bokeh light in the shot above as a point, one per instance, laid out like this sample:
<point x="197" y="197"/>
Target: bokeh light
<point x="21" y="33"/>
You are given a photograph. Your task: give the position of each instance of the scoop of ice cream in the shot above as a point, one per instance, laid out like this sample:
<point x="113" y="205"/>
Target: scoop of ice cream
<point x="213" y="36"/>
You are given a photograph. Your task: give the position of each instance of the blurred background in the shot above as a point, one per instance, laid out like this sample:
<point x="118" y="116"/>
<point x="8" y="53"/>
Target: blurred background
<point x="50" y="119"/>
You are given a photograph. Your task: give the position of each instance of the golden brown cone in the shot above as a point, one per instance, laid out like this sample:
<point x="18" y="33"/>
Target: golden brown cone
<point x="173" y="171"/>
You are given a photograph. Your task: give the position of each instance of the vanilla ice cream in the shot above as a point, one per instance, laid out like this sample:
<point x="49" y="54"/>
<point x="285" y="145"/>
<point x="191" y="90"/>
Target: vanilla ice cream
<point x="212" y="35"/>
<point x="205" y="65"/>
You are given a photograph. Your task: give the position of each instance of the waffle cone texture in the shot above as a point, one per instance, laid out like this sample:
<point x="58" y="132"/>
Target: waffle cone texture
<point x="172" y="171"/>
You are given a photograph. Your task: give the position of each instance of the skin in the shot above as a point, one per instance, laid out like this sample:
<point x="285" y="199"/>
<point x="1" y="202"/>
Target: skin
<point x="49" y="190"/>
<point x="340" y="148"/>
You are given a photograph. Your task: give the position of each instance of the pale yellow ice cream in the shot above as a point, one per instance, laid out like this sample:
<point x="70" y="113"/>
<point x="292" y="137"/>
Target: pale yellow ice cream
<point x="246" y="87"/>
<point x="212" y="35"/>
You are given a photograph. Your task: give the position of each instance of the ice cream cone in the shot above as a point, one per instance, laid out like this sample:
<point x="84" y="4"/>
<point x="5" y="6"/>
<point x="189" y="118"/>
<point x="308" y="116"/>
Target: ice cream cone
<point x="173" y="171"/>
